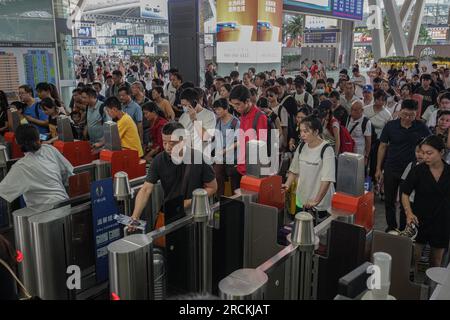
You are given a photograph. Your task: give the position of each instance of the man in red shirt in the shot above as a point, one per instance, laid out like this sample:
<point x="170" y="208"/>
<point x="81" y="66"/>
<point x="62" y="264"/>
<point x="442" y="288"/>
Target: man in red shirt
<point x="155" y="117"/>
<point x="314" y="68"/>
<point x="252" y="119"/>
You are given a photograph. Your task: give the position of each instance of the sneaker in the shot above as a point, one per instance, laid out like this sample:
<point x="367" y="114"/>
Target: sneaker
<point x="410" y="231"/>
<point x="394" y="232"/>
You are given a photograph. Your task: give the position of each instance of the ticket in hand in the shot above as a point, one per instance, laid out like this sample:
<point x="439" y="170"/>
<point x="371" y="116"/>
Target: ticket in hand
<point x="126" y="220"/>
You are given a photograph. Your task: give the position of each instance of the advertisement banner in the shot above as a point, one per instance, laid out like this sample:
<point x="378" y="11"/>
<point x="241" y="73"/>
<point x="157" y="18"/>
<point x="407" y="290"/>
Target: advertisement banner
<point x="249" y="31"/>
<point x="154" y="9"/>
<point x="149" y="44"/>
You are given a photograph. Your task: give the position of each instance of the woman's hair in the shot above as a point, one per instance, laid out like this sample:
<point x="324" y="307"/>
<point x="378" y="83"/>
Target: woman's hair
<point x="274" y="90"/>
<point x="262" y="103"/>
<point x="221" y="103"/>
<point x="19" y="105"/>
<point x="434" y="142"/>
<point x="313" y="123"/>
<point x="48" y="103"/>
<point x="153" y="107"/>
<point x="407" y="85"/>
<point x="442" y="113"/>
<point x="7" y="253"/>
<point x="27" y="137"/>
<point x="324" y="110"/>
<point x="304" y="110"/>
<point x="160" y="90"/>
<point x="227" y="87"/>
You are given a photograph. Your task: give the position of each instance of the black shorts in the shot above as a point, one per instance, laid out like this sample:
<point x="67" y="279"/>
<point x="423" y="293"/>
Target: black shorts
<point x="427" y="235"/>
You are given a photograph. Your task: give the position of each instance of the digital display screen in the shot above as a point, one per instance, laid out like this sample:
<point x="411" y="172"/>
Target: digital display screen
<point x="122" y="32"/>
<point x="88" y="42"/>
<point x="341" y="9"/>
<point x="85" y="32"/>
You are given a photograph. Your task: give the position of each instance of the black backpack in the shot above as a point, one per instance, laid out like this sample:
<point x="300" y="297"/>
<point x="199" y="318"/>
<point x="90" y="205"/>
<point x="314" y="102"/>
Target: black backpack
<point x="291" y="104"/>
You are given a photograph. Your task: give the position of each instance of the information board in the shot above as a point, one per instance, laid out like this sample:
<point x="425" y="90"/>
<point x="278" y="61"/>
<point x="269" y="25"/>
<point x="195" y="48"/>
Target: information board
<point x="106" y="228"/>
<point x="340" y="9"/>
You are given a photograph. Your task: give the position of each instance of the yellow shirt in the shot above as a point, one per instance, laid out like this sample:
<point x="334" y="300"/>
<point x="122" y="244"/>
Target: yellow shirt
<point x="129" y="135"/>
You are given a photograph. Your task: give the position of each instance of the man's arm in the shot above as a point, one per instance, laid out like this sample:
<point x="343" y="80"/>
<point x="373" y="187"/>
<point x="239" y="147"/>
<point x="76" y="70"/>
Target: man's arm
<point x="141" y="131"/>
<point x="380" y="157"/>
<point x="211" y="189"/>
<point x="368" y="145"/>
<point x="37" y="121"/>
<point x="142" y="199"/>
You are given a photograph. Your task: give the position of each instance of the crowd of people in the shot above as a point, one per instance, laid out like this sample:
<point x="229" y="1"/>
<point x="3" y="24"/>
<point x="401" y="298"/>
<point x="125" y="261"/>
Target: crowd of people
<point x="398" y="121"/>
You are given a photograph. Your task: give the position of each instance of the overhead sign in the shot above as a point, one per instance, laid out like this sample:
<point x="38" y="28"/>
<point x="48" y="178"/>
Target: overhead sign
<point x="154" y="9"/>
<point x="340" y="9"/>
<point x="246" y="35"/>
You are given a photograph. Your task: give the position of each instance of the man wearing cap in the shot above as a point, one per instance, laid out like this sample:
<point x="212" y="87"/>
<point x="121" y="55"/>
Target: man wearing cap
<point x="359" y="80"/>
<point x="367" y="95"/>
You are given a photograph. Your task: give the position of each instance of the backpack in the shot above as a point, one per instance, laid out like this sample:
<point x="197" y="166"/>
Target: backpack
<point x="346" y="139"/>
<point x="291" y="125"/>
<point x="322" y="152"/>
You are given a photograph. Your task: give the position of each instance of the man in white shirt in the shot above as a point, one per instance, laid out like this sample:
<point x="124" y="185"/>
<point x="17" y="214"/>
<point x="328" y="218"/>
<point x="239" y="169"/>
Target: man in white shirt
<point x="377" y="113"/>
<point x="196" y="119"/>
<point x="349" y="96"/>
<point x="360" y="129"/>
<point x="444" y="104"/>
<point x="447" y="78"/>
<point x="302" y="97"/>
<point x="360" y="81"/>
<point x="169" y="90"/>
<point x="378" y="116"/>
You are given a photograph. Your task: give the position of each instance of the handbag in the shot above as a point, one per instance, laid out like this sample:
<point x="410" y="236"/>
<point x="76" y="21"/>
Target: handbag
<point x="27" y="295"/>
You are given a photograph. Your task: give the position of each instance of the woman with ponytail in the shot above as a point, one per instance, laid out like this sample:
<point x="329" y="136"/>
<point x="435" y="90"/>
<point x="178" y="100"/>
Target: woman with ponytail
<point x="40" y="176"/>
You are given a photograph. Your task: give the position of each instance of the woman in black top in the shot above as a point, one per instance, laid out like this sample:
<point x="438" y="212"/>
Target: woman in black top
<point x="52" y="111"/>
<point x="431" y="208"/>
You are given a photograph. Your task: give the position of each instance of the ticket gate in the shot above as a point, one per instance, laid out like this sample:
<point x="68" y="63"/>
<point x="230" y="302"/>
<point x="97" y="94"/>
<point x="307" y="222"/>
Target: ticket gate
<point x="300" y="270"/>
<point x="55" y="237"/>
<point x="77" y="152"/>
<point x="121" y="160"/>
<point x="10" y="136"/>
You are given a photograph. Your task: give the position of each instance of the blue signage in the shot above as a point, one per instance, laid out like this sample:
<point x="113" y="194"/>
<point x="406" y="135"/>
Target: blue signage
<point x="85" y="32"/>
<point x="122" y="32"/>
<point x="349" y="9"/>
<point x="343" y="9"/>
<point x="106" y="228"/>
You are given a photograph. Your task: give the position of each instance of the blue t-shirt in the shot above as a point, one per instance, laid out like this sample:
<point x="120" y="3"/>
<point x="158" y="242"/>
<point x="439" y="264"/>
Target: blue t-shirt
<point x="31" y="111"/>
<point x="134" y="111"/>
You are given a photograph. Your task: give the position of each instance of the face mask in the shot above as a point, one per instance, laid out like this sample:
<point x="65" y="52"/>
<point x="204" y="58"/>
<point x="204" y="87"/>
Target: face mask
<point x="185" y="109"/>
<point x="320" y="91"/>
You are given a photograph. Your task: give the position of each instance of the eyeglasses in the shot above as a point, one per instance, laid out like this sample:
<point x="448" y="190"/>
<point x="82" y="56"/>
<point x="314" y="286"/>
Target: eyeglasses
<point x="272" y="95"/>
<point x="408" y="115"/>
